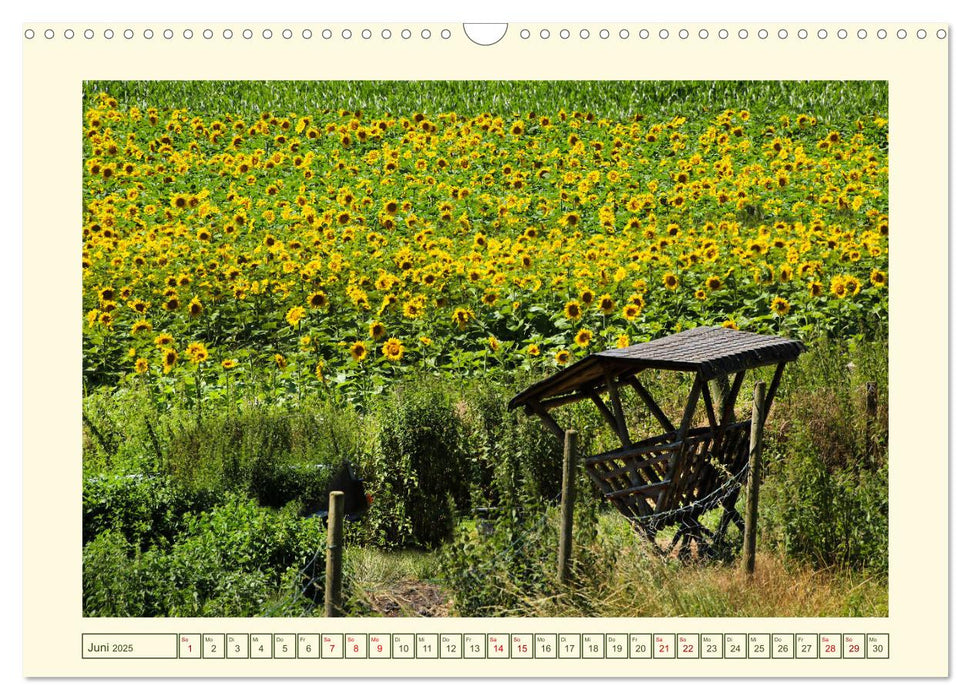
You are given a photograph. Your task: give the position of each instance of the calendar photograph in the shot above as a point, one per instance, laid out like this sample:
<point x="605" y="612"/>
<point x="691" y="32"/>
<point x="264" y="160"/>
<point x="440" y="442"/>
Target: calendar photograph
<point x="515" y="349"/>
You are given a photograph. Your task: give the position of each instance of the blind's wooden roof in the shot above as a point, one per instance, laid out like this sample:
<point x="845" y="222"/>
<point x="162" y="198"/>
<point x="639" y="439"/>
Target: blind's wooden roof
<point x="709" y="351"/>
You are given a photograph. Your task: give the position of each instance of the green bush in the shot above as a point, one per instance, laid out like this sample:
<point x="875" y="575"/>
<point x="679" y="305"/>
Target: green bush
<point x="237" y="560"/>
<point x="509" y="451"/>
<point x="418" y="470"/>
<point x="303" y="484"/>
<point x="143" y="509"/>
<point x="826" y="496"/>
<point x="829" y="517"/>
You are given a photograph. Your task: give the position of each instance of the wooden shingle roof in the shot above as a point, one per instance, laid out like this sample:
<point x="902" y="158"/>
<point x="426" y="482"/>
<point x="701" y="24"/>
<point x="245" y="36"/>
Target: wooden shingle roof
<point x="708" y="351"/>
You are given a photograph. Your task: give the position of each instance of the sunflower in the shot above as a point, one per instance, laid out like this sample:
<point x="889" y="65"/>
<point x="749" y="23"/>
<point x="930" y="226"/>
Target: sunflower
<point x="493" y="344"/>
<point x="700" y="295"/>
<point x="393" y="349"/>
<point x="852" y="285"/>
<point x="533" y="350"/>
<point x="490" y="298"/>
<point x="377" y="330"/>
<point x="623" y="341"/>
<point x="573" y="310"/>
<point x="730" y="324"/>
<point x="141" y="365"/>
<point x="713" y="283"/>
<point x="412" y="309"/>
<point x="671" y="281"/>
<point x="169" y="358"/>
<point x="358" y="351"/>
<point x="583" y="337"/>
<point x="229" y="364"/>
<point x="295" y="315"/>
<point x="317" y="300"/>
<point x="780" y="307"/>
<point x="280" y="360"/>
<point x="141" y="326"/>
<point x="195" y="307"/>
<point x="606" y="304"/>
<point x="164" y="339"/>
<point x="586" y="297"/>
<point x="878" y="278"/>
<point x="838" y="287"/>
<point x="562" y="357"/>
<point x="631" y="311"/>
<point x="196" y="352"/>
<point x="461" y="317"/>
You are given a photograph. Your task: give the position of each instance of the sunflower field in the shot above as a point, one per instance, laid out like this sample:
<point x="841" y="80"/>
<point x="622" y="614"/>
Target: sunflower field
<point x="348" y="246"/>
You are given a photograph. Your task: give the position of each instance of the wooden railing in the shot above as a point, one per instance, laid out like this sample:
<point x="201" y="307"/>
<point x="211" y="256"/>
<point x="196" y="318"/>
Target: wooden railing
<point x="662" y="474"/>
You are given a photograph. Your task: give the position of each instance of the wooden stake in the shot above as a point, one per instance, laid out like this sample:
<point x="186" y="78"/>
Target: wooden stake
<point x="335" y="542"/>
<point x="754" y="475"/>
<point x="566" y="507"/>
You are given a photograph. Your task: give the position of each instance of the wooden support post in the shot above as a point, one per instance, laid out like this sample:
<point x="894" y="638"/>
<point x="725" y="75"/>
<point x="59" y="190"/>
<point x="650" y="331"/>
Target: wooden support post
<point x="547" y="419"/>
<point x="566" y="507"/>
<point x="333" y="604"/>
<point x="773" y="388"/>
<point x="871" y="417"/>
<point x="728" y="404"/>
<point x="754" y="475"/>
<point x="673" y="473"/>
<point x="709" y="406"/>
<point x="651" y="404"/>
<point x="619" y="417"/>
<point x="605" y="412"/>
<point x="720" y="389"/>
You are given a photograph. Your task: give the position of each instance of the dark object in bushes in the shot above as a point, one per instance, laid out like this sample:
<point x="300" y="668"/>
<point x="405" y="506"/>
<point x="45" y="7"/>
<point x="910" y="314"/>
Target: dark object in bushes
<point x="356" y="499"/>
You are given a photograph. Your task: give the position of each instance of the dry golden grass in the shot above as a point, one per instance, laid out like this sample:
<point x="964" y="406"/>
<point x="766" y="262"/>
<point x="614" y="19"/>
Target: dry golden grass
<point x="620" y="576"/>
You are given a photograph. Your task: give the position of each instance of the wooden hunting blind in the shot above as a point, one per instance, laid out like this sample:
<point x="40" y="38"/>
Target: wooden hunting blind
<point x="673" y="478"/>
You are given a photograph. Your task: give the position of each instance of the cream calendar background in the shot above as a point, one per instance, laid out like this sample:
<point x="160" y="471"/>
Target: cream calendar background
<point x="917" y="71"/>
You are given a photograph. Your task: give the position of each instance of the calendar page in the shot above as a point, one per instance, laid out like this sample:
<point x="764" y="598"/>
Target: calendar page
<point x="521" y="349"/>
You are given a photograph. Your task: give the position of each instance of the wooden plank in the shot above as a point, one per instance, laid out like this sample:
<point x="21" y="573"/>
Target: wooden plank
<point x="648" y="446"/>
<point x="773" y="387"/>
<point x="656" y="487"/>
<point x="640" y="464"/>
<point x="604" y="411"/>
<point x="651" y="404"/>
<point x="566" y="505"/>
<point x="547" y="420"/>
<point x="719" y="391"/>
<point x="709" y="405"/>
<point x="728" y="403"/>
<point x="754" y="475"/>
<point x="674" y="466"/>
<point x="619" y="417"/>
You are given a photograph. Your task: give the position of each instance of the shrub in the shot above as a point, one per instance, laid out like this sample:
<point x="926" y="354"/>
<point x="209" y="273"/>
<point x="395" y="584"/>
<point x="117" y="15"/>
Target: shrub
<point x="143" y="509"/>
<point x="418" y="469"/>
<point x="237" y="560"/>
